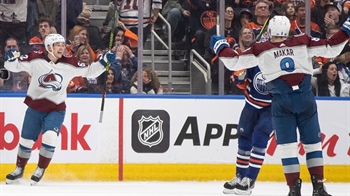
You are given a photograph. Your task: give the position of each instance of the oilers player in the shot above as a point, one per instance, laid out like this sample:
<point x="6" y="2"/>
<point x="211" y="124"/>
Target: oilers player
<point x="286" y="65"/>
<point x="45" y="98"/>
<point x="254" y="129"/>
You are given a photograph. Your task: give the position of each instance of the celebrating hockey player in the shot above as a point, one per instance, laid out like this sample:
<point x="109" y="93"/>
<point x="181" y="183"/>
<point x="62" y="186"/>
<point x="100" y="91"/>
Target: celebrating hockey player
<point x="46" y="97"/>
<point x="286" y="65"/>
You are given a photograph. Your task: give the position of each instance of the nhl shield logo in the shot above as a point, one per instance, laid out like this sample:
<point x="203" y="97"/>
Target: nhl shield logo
<point x="150" y="131"/>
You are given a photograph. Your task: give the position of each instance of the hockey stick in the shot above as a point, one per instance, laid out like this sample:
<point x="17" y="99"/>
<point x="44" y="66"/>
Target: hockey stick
<point x="111" y="38"/>
<point x="273" y="13"/>
<point x="218" y="17"/>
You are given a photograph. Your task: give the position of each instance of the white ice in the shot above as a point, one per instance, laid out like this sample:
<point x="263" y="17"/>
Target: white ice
<point x="183" y="188"/>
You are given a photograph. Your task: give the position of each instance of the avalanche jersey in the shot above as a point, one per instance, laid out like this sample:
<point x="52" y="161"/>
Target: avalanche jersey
<point x="128" y="11"/>
<point x="47" y="89"/>
<point x="292" y="56"/>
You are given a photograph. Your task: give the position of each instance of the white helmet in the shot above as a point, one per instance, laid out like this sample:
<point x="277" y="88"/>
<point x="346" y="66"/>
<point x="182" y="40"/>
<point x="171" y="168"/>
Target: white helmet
<point x="53" y="38"/>
<point x="279" y="26"/>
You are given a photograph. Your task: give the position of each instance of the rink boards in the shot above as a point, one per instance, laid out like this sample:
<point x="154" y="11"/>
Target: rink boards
<point x="166" y="138"/>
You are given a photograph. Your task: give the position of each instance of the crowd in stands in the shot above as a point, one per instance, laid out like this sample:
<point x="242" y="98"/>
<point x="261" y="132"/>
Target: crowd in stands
<point x="25" y="24"/>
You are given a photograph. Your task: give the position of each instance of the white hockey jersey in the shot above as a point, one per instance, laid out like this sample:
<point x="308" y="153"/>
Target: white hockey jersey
<point x="47" y="89"/>
<point x="292" y="56"/>
<point x="128" y="11"/>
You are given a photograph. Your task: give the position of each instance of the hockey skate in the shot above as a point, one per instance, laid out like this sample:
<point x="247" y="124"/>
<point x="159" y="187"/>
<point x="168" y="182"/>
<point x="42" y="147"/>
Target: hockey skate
<point x="245" y="187"/>
<point x="36" y="177"/>
<point x="319" y="189"/>
<point x="295" y="190"/>
<point x="14" y="176"/>
<point x="229" y="186"/>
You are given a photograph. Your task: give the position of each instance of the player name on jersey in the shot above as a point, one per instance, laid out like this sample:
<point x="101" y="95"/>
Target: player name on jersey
<point x="283" y="52"/>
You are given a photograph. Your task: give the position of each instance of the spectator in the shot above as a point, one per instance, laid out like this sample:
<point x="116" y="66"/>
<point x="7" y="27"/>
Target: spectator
<point x="151" y="84"/>
<point x="38" y="9"/>
<point x="18" y="82"/>
<point x="109" y="83"/>
<point x="333" y="16"/>
<point x="78" y="84"/>
<point x="328" y="82"/>
<point x="95" y="37"/>
<point x="84" y="16"/>
<point x="45" y="27"/>
<point x="125" y="66"/>
<point x="78" y="36"/>
<point x="343" y="65"/>
<point x="298" y="25"/>
<point x="346" y="6"/>
<point x="318" y="13"/>
<point x="288" y="9"/>
<point x="177" y="15"/>
<point x="122" y="35"/>
<point x="262" y="13"/>
<point x="231" y="34"/>
<point x="319" y="61"/>
<point x="245" y="16"/>
<point x="203" y="18"/>
<point x="128" y="14"/>
<point x="74" y="8"/>
<point x="13" y="22"/>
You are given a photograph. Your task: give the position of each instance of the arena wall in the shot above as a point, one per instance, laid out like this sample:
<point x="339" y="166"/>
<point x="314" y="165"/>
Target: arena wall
<point x="163" y="138"/>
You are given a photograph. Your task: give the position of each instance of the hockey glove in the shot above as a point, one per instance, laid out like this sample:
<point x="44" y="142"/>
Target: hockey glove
<point x="108" y="56"/>
<point x="4" y="74"/>
<point x="11" y="55"/>
<point x="346" y="26"/>
<point x="238" y="77"/>
<point x="217" y="43"/>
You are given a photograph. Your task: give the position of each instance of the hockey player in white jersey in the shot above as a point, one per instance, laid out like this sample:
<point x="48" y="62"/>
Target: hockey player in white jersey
<point x="285" y="62"/>
<point x="46" y="97"/>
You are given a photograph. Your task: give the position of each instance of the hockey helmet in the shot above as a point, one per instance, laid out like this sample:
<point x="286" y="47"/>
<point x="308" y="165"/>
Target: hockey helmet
<point x="53" y="38"/>
<point x="279" y="26"/>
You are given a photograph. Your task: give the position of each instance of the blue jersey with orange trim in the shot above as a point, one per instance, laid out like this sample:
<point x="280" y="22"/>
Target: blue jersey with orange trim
<point x="256" y="30"/>
<point x="256" y="94"/>
<point x="315" y="30"/>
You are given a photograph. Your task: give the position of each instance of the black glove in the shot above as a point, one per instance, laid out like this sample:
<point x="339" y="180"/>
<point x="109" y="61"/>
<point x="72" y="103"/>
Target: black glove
<point x="4" y="74"/>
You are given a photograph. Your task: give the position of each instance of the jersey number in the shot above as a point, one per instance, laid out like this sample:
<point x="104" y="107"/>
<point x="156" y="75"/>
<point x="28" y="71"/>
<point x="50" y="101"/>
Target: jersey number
<point x="287" y="64"/>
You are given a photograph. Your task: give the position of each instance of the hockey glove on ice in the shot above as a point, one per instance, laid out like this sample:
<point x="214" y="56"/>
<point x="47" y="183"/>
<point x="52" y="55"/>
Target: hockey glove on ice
<point x="217" y="43"/>
<point x="108" y="56"/>
<point x="346" y="26"/>
<point x="4" y="74"/>
<point x="11" y="55"/>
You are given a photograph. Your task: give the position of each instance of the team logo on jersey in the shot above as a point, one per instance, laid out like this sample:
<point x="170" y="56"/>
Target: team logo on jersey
<point x="38" y="51"/>
<point x="23" y="57"/>
<point x="259" y="84"/>
<point x="81" y="64"/>
<point x="208" y="19"/>
<point x="51" y="80"/>
<point x="150" y="131"/>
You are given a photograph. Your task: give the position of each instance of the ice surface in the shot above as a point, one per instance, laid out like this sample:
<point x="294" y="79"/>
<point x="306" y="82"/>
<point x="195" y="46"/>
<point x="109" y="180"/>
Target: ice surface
<point x="183" y="188"/>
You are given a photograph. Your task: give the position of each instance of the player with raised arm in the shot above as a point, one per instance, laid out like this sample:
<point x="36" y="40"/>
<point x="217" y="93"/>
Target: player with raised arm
<point x="45" y="98"/>
<point x="286" y="65"/>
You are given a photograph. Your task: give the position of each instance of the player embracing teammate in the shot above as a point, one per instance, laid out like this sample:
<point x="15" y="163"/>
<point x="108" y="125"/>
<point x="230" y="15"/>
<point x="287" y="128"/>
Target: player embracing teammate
<point x="286" y="65"/>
